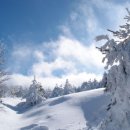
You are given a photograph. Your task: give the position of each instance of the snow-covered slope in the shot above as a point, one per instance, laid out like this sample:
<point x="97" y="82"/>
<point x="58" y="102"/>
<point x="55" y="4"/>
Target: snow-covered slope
<point x="71" y="112"/>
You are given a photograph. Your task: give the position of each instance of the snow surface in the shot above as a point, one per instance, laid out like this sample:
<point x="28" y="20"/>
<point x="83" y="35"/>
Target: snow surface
<point x="70" y="112"/>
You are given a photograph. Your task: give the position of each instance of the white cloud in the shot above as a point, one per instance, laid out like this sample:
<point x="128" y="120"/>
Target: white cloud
<point x="91" y="18"/>
<point x="70" y="49"/>
<point x="46" y="68"/>
<point x="66" y="31"/>
<point x="70" y="54"/>
<point x="50" y="82"/>
<point x="113" y="9"/>
<point x="79" y="61"/>
<point x="38" y="55"/>
<point x="19" y="79"/>
<point x="21" y="52"/>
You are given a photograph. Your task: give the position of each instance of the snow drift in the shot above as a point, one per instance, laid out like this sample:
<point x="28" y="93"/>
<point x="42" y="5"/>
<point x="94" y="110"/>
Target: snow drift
<point x="71" y="112"/>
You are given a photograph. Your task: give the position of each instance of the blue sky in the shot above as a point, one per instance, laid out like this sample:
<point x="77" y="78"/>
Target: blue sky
<point x="54" y="40"/>
<point x="32" y="20"/>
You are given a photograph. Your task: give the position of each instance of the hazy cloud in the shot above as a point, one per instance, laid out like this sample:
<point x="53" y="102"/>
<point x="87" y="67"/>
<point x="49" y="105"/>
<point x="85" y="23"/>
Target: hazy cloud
<point x="72" y="54"/>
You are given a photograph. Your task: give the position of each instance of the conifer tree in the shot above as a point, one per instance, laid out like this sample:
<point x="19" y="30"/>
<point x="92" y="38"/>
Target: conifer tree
<point x="57" y="91"/>
<point x="68" y="88"/>
<point x="35" y="94"/>
<point x="117" y="55"/>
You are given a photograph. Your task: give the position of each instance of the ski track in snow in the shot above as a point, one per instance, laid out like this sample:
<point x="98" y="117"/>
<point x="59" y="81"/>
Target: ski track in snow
<point x="70" y="112"/>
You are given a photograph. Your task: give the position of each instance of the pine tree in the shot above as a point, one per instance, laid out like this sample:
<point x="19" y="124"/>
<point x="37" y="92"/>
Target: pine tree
<point x="35" y="94"/>
<point x="68" y="88"/>
<point x="89" y="85"/>
<point x="57" y="91"/>
<point x="48" y="93"/>
<point x="117" y="54"/>
<point x="103" y="82"/>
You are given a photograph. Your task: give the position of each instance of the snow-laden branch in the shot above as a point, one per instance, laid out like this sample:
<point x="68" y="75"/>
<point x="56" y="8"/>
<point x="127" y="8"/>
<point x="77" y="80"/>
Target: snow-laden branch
<point x="101" y="37"/>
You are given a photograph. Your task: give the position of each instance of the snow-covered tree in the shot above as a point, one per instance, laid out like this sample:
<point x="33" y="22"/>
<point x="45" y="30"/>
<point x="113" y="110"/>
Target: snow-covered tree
<point x="117" y="55"/>
<point x="35" y="94"/>
<point x="3" y="74"/>
<point x="14" y="91"/>
<point x="48" y="93"/>
<point x="95" y="84"/>
<point x="68" y="88"/>
<point x="84" y="86"/>
<point x="57" y="91"/>
<point x="20" y="91"/>
<point x="103" y="82"/>
<point x="88" y="85"/>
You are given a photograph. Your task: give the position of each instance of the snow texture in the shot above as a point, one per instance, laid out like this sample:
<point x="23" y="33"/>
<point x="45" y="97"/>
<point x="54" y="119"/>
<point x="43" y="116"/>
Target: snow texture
<point x="79" y="111"/>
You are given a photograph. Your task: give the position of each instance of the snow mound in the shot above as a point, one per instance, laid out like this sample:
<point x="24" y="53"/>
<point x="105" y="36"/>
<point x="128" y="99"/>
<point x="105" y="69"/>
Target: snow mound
<point x="71" y="112"/>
